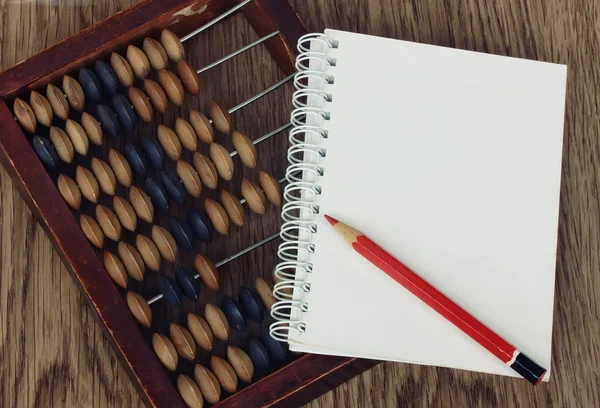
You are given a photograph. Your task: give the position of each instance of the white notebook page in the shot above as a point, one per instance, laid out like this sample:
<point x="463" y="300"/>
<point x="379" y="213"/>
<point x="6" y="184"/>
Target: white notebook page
<point x="451" y="161"/>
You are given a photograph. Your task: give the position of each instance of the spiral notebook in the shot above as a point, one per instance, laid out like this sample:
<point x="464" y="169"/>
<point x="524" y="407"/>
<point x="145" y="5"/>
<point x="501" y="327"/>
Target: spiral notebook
<point x="448" y="159"/>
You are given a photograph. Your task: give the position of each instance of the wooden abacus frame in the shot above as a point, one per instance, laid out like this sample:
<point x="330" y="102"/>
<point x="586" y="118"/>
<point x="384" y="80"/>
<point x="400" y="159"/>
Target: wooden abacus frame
<point x="296" y="383"/>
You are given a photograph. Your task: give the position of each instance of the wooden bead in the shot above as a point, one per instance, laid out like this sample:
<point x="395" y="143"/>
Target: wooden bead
<point x="202" y="126"/>
<point x="233" y="313"/>
<point x="124" y="111"/>
<point x="136" y="159"/>
<point x="200" y="224"/>
<point x="206" y="169"/>
<point x="217" y="321"/>
<point x="189" y="77"/>
<point x="109" y="121"/>
<point x="221" y="117"/>
<point x="183" y="341"/>
<point x="45" y="151"/>
<point x="189" y="178"/>
<point x="42" y="108"/>
<point x="140" y="102"/>
<point x="245" y="149"/>
<point x="172" y="86"/>
<point x="165" y="243"/>
<point x="172" y="293"/>
<point x="87" y="184"/>
<point x="255" y="198"/>
<point x="207" y="271"/>
<point x="148" y="251"/>
<point x="172" y="45"/>
<point x="120" y="167"/>
<point x="132" y="260"/>
<point x="222" y="160"/>
<point x="186" y="134"/>
<point x="156" y="53"/>
<point x="115" y="269"/>
<point x="170" y="142"/>
<point x="186" y="282"/>
<point x="25" y="115"/>
<point x="139" y="62"/>
<point x="165" y="351"/>
<point x="260" y="358"/>
<point x="233" y="207"/>
<point x="62" y="144"/>
<point x="122" y="69"/>
<point x="189" y="391"/>
<point x="108" y="222"/>
<point x="92" y="128"/>
<point x="218" y="216"/>
<point x="78" y="137"/>
<point x="58" y="101"/>
<point x="182" y="233"/>
<point x="200" y="331"/>
<point x="241" y="363"/>
<point x="156" y="94"/>
<point x="92" y="231"/>
<point x="271" y="188"/>
<point x="125" y="213"/>
<point x="139" y="308"/>
<point x="74" y="93"/>
<point x="105" y="176"/>
<point x="224" y="373"/>
<point x="69" y="191"/>
<point x="265" y="292"/>
<point x="141" y="204"/>
<point x="208" y="383"/>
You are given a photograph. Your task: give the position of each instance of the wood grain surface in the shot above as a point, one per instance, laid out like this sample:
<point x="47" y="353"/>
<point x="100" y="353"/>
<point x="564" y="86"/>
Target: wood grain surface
<point x="53" y="354"/>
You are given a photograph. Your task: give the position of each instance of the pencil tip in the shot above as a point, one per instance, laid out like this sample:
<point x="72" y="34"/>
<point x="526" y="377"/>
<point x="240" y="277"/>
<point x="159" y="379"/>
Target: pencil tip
<point x="331" y="220"/>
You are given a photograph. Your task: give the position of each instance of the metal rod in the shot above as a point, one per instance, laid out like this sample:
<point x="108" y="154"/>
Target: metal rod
<point x="215" y="21"/>
<point x="265" y="137"/>
<point x="261" y="94"/>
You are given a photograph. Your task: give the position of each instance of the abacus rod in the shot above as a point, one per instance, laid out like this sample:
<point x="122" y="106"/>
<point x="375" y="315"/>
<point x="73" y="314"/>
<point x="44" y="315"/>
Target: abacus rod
<point x="261" y="94"/>
<point x="265" y="137"/>
<point x="237" y="52"/>
<point x="215" y="21"/>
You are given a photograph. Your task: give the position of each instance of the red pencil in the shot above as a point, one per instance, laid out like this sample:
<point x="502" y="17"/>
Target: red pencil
<point x="502" y="349"/>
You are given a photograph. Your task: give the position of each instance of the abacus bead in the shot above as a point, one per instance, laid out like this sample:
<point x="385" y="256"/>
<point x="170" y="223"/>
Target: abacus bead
<point x="187" y="134"/>
<point x="220" y="116"/>
<point x="170" y="290"/>
<point x="115" y="269"/>
<point x="25" y="115"/>
<point x="252" y="304"/>
<point x="62" y="144"/>
<point x="265" y="291"/>
<point x="140" y="103"/>
<point x="165" y="243"/>
<point x="183" y="340"/>
<point x="202" y="126"/>
<point x="271" y="188"/>
<point x="222" y="160"/>
<point x="139" y="62"/>
<point x="217" y="321"/>
<point x="201" y="331"/>
<point x="241" y="363"/>
<point x="170" y="142"/>
<point x="105" y="176"/>
<point x="139" y="308"/>
<point x="206" y="170"/>
<point x="182" y="233"/>
<point x="172" y="44"/>
<point x="92" y="127"/>
<point x="277" y="350"/>
<point x="201" y="225"/>
<point x="173" y="186"/>
<point x="108" y="120"/>
<point x="92" y="230"/>
<point x="207" y="271"/>
<point x="91" y="85"/>
<point x="165" y="351"/>
<point x="109" y="222"/>
<point x="233" y="207"/>
<point x="78" y="137"/>
<point x="141" y="204"/>
<point x="156" y="94"/>
<point x="69" y="191"/>
<point x="45" y="152"/>
<point x="125" y="212"/>
<point x="245" y="149"/>
<point x="157" y="195"/>
<point x="148" y="251"/>
<point x="189" y="77"/>
<point x="107" y="77"/>
<point x="255" y="198"/>
<point x="154" y="152"/>
<point x="74" y="93"/>
<point x="124" y="111"/>
<point x="186" y="282"/>
<point x="260" y="357"/>
<point x="42" y="109"/>
<point x="136" y="160"/>
<point x="58" y="101"/>
<point x="156" y="53"/>
<point x="208" y="383"/>
<point x="189" y="177"/>
<point x="121" y="167"/>
<point x="189" y="391"/>
<point x="224" y="373"/>
<point x="133" y="261"/>
<point x="172" y="86"/>
<point x="87" y="184"/>
<point x="122" y="69"/>
<point x="218" y="216"/>
<point x="234" y="314"/>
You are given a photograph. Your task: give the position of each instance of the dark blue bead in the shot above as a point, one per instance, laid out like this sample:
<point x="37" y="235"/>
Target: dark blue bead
<point x="170" y="290"/>
<point x="157" y="195"/>
<point x="107" y="77"/>
<point x="182" y="233"/>
<point x="201" y="225"/>
<point x="45" y="151"/>
<point x="91" y="85"/>
<point x="234" y="314"/>
<point x="174" y="187"/>
<point x="252" y="304"/>
<point x="277" y="349"/>
<point x="109" y="121"/>
<point x="136" y="160"/>
<point x="124" y="112"/>
<point x="259" y="355"/>
<point x="154" y="152"/>
<point x="187" y="282"/>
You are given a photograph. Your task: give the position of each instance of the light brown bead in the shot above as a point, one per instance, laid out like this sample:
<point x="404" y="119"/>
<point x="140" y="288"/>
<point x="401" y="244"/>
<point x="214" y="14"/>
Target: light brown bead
<point x="92" y="128"/>
<point x="165" y="243"/>
<point x="189" y="77"/>
<point x="265" y="292"/>
<point x="224" y="373"/>
<point x="189" y="391"/>
<point x="78" y="137"/>
<point x="108" y="222"/>
<point x="172" y="86"/>
<point x="62" y="144"/>
<point x="122" y="70"/>
<point x="69" y="191"/>
<point x="183" y="341"/>
<point x="255" y="198"/>
<point x="156" y="53"/>
<point x="208" y="383"/>
<point x="206" y="169"/>
<point x="105" y="176"/>
<point x="165" y="351"/>
<point x="141" y="204"/>
<point x="92" y="231"/>
<point x="217" y="321"/>
<point x="218" y="216"/>
<point x="74" y="93"/>
<point x="222" y="160"/>
<point x="221" y="117"/>
<point x="125" y="212"/>
<point x="156" y="94"/>
<point x="202" y="126"/>
<point x="207" y="271"/>
<point x="58" y="101"/>
<point x="241" y="363"/>
<point x="42" y="108"/>
<point x="170" y="142"/>
<point x="271" y="187"/>
<point x="233" y="207"/>
<point x="140" y="102"/>
<point x="172" y="45"/>
<point x="120" y="167"/>
<point x="186" y="134"/>
<point x="245" y="149"/>
<point x="87" y="184"/>
<point x="189" y="177"/>
<point x="132" y="260"/>
<point x="200" y="331"/>
<point x="139" y="62"/>
<point x="139" y="308"/>
<point x="148" y="251"/>
<point x="115" y="269"/>
<point x="25" y="115"/>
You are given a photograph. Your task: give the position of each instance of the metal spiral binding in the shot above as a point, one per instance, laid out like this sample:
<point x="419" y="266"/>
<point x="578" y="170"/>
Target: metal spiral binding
<point x="300" y="195"/>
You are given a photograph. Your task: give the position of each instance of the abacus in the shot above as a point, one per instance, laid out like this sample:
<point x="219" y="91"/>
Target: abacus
<point x="148" y="188"/>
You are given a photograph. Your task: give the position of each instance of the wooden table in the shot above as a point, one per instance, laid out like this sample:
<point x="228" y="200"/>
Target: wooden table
<point x="53" y="354"/>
